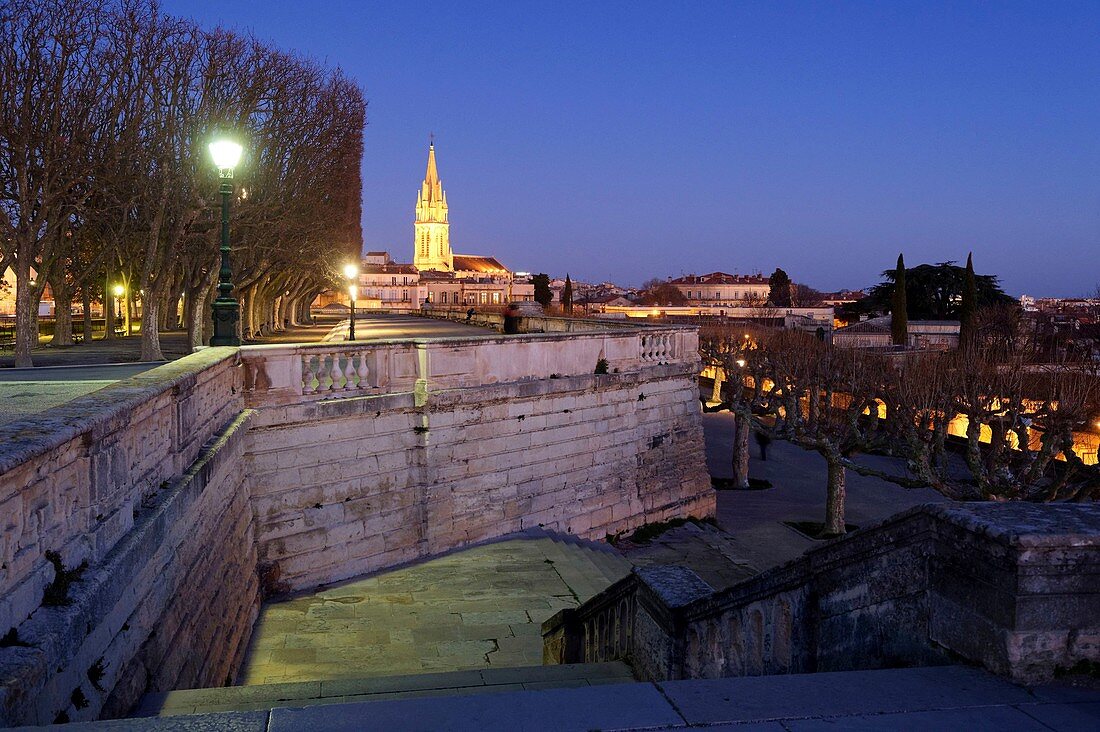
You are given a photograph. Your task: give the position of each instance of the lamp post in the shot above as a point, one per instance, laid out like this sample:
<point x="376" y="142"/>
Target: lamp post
<point x="352" y="273"/>
<point x="227" y="312"/>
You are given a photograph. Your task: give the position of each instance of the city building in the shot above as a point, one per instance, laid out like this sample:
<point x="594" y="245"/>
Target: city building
<point x="720" y="288"/>
<point x="925" y="335"/>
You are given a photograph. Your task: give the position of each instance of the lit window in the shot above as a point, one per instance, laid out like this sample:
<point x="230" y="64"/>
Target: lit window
<point x="496" y="298"/>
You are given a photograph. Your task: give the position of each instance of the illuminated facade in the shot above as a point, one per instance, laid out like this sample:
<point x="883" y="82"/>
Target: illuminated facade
<point x="431" y="230"/>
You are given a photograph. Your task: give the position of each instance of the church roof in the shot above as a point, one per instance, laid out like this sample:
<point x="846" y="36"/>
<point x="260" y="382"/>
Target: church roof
<point x="477" y="263"/>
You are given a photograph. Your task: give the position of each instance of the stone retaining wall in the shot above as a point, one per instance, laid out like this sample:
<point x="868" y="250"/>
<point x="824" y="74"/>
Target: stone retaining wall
<point x="142" y="481"/>
<point x="379" y="480"/>
<point x="1013" y="587"/>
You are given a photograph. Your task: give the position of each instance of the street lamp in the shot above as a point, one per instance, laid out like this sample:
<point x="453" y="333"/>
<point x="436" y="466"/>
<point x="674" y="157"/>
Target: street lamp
<point x="119" y="291"/>
<point x="227" y="312"/>
<point x="351" y="271"/>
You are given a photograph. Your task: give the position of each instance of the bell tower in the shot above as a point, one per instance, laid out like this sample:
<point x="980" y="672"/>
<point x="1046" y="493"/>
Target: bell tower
<point x="431" y="232"/>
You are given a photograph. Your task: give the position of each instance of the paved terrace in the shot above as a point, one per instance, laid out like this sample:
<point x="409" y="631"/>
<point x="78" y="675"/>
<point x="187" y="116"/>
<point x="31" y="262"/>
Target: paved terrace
<point x="476" y="608"/>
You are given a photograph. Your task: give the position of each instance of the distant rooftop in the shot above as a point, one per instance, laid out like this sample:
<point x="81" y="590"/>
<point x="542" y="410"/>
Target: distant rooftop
<point x="720" y="278"/>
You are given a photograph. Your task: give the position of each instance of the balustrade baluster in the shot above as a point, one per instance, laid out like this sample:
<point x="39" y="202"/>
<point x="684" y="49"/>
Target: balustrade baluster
<point x="349" y="372"/>
<point x="307" y="374"/>
<point x="363" y="372"/>
<point x="334" y="372"/>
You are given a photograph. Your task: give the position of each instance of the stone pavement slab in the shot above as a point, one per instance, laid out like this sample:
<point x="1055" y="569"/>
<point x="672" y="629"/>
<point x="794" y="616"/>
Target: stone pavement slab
<point x="221" y="722"/>
<point x="620" y="706"/>
<point x="849" y="693"/>
<point x="975" y="719"/>
<point x="1080" y="716"/>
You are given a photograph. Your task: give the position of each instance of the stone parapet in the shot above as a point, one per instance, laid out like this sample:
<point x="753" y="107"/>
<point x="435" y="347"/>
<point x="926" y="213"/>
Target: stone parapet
<point x="72" y="478"/>
<point x="170" y="605"/>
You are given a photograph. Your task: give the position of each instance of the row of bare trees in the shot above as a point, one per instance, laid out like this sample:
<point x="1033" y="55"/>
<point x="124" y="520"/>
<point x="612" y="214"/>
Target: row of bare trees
<point x="105" y="177"/>
<point x="1018" y="423"/>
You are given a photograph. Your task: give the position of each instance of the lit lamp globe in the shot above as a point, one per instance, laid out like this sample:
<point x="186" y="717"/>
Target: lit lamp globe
<point x="226" y="154"/>
<point x="119" y="289"/>
<point x="351" y="271"/>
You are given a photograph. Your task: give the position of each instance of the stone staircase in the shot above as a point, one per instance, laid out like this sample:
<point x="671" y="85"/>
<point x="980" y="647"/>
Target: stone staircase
<point x="587" y="567"/>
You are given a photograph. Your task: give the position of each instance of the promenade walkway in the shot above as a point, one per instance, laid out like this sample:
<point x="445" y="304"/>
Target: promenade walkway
<point x="62" y="374"/>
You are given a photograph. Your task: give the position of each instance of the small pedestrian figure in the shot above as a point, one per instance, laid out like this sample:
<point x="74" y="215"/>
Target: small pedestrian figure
<point x="469" y="315"/>
<point x="763" y="441"/>
<point x="426" y="306"/>
<point x="511" y="319"/>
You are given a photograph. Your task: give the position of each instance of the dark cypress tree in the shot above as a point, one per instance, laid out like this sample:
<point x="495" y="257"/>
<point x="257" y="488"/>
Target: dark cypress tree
<point x="968" y="307"/>
<point x="780" y="289"/>
<point x="899" y="311"/>
<point x="567" y="295"/>
<point x="543" y="294"/>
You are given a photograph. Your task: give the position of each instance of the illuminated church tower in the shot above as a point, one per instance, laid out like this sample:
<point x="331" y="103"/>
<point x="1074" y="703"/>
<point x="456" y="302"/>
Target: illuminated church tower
<point x="432" y="242"/>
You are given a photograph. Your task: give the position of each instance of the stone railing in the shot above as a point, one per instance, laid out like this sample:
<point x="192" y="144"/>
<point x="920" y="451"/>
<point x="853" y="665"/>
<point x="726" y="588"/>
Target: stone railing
<point x="282" y="374"/>
<point x="1011" y="587"/>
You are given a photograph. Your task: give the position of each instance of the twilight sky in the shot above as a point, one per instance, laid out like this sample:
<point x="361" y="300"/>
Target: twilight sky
<point x="627" y="140"/>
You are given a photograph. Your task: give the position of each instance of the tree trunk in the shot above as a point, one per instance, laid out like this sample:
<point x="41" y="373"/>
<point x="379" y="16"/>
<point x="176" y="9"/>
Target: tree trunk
<point x="62" y="316"/>
<point x="196" y="320"/>
<point x="741" y="429"/>
<point x="109" y="306"/>
<point x="150" y="335"/>
<point x="26" y="315"/>
<point x="86" y="300"/>
<point x="835" y="496"/>
<point x="131" y="312"/>
<point x="716" y="392"/>
<point x="292" y="311"/>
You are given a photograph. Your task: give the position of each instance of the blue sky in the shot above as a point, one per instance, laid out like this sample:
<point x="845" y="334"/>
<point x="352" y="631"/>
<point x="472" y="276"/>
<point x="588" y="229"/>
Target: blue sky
<point x="627" y="140"/>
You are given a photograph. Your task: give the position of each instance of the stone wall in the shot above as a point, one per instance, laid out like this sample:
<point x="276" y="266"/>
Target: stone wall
<point x="174" y="499"/>
<point x="1014" y="588"/>
<point x="383" y="479"/>
<point x="142" y="482"/>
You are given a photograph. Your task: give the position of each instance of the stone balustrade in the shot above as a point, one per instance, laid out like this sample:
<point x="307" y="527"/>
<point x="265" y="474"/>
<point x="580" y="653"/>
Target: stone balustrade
<point x="283" y="374"/>
<point x="1010" y="587"/>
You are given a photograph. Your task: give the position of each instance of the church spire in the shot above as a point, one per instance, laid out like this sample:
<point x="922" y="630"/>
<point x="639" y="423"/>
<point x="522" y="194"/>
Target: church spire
<point x="431" y="190"/>
<point x="432" y="246"/>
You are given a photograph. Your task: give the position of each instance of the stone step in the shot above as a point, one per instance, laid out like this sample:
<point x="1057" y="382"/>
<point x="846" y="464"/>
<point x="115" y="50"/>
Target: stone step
<point x="342" y="691"/>
<point x="942" y="698"/>
<point x="577" y="569"/>
<point x="613" y="567"/>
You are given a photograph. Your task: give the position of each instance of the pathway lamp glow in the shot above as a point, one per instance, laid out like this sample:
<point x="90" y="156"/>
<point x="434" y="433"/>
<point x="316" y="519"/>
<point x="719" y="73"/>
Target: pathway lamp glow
<point x="226" y="155"/>
<point x="351" y="271"/>
<point x="119" y="291"/>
